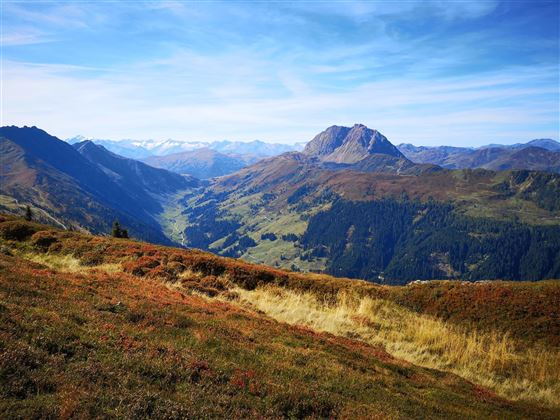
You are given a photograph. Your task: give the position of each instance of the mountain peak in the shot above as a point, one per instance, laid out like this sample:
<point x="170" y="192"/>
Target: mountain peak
<point x="350" y="144"/>
<point x="83" y="143"/>
<point x="90" y="147"/>
<point x="548" y="144"/>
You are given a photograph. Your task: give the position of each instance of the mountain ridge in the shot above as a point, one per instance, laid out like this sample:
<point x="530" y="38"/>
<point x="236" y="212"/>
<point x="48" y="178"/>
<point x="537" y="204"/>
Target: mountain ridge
<point x="496" y="157"/>
<point x="130" y="172"/>
<point x="48" y="173"/>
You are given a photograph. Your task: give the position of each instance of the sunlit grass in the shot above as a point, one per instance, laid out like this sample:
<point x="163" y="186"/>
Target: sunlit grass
<point x="70" y="264"/>
<point x="491" y="359"/>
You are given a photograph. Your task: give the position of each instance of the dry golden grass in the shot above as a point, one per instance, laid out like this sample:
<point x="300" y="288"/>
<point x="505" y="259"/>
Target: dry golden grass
<point x="69" y="264"/>
<point x="189" y="274"/>
<point x="497" y="361"/>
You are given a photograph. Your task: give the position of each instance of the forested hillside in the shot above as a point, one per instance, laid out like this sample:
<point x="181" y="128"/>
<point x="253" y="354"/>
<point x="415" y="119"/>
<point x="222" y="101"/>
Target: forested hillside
<point x="398" y="241"/>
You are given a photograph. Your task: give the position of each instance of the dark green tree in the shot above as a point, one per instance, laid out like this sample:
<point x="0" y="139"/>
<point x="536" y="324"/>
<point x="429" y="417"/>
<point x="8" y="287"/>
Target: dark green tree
<point x="28" y="214"/>
<point x="116" y="233"/>
<point x="119" y="232"/>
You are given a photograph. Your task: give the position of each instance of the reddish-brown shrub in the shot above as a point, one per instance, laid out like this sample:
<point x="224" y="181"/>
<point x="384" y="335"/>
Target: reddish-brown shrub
<point x="176" y="258"/>
<point x="91" y="258"/>
<point x="160" y="272"/>
<point x="175" y="267"/>
<point x="214" y="282"/>
<point x="44" y="239"/>
<point x="141" y="266"/>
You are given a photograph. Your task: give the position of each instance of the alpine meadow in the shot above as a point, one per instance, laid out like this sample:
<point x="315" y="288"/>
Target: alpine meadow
<point x="274" y="209"/>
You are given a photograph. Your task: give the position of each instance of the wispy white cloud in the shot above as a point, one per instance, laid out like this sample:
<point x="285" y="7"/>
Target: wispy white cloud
<point x="278" y="72"/>
<point x="23" y="36"/>
<point x="365" y="8"/>
<point x="447" y="110"/>
<point x="51" y="14"/>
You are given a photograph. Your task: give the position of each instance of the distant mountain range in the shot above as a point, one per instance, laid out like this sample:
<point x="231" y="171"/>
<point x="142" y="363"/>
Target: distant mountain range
<point x="202" y="163"/>
<point x="200" y="159"/>
<point x="548" y="144"/>
<point x="539" y="154"/>
<point x="350" y="203"/>
<point x="356" y="147"/>
<point x="139" y="149"/>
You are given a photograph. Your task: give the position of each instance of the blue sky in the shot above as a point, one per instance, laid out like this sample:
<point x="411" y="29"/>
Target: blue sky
<point x="426" y="72"/>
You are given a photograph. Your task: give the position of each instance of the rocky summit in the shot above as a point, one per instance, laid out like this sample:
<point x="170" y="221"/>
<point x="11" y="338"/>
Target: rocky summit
<point x="350" y="145"/>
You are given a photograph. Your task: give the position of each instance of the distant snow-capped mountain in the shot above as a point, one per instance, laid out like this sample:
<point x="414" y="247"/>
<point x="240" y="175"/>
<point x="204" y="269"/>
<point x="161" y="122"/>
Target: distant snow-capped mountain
<point x="140" y="149"/>
<point x="255" y="147"/>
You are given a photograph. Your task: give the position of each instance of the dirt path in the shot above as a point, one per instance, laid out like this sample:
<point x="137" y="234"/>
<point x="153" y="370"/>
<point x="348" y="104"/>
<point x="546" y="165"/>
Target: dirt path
<point x="45" y="213"/>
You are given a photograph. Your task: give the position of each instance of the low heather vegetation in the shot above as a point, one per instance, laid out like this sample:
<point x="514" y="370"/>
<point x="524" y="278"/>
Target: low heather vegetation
<point x="96" y="326"/>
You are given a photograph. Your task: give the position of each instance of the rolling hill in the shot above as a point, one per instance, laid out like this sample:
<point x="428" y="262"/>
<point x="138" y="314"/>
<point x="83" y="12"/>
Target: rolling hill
<point x="103" y="327"/>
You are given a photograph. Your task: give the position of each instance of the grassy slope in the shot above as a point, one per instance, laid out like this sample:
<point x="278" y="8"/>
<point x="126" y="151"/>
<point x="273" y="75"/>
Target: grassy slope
<point x="526" y="310"/>
<point x="112" y="330"/>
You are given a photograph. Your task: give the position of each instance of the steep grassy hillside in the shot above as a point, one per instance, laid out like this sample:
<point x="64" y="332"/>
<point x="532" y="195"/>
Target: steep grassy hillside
<point x="94" y="326"/>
